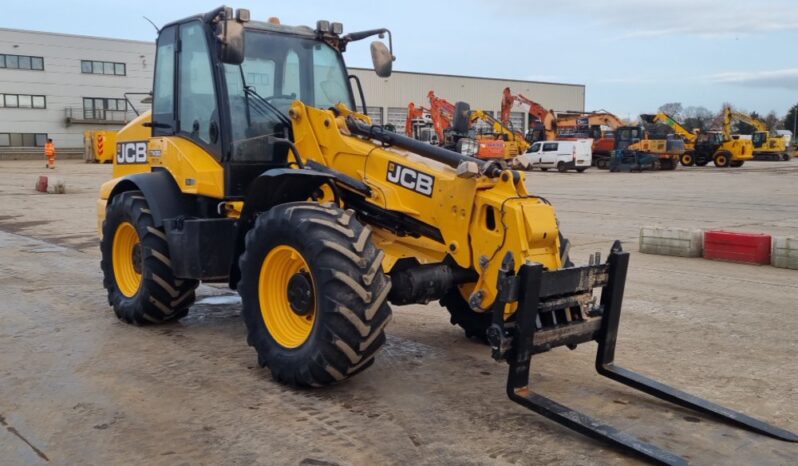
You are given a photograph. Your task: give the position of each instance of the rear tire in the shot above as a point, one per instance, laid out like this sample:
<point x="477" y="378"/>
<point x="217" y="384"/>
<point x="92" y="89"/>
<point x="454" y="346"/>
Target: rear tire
<point x="347" y="306"/>
<point x="474" y="324"/>
<point x="722" y="159"/>
<point x="141" y="285"/>
<point x="561" y="167"/>
<point x="785" y="157"/>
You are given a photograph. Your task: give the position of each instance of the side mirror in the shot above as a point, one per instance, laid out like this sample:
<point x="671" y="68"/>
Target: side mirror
<point x="230" y="33"/>
<point x="382" y="59"/>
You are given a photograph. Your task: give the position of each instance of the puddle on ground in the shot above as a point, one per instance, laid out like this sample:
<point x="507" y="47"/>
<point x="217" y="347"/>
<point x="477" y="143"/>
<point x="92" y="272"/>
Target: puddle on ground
<point x="220" y="300"/>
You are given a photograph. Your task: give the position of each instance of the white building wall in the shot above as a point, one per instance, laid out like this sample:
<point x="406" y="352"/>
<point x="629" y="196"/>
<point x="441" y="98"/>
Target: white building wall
<point x="481" y="93"/>
<point x="62" y="82"/>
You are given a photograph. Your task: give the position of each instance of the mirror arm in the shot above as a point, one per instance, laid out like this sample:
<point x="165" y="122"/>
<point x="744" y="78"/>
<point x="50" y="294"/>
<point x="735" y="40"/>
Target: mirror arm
<point x="356" y="36"/>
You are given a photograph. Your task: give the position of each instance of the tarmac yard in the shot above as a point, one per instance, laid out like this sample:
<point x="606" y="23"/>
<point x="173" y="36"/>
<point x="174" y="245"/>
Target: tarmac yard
<point x="77" y="386"/>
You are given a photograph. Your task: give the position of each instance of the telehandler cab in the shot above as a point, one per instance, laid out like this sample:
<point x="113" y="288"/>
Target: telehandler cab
<point x="255" y="169"/>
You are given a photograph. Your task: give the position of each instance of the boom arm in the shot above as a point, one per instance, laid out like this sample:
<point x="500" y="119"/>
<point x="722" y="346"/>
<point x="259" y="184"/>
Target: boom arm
<point x="593" y="119"/>
<point x="442" y="113"/>
<point x="546" y="117"/>
<point x="664" y="118"/>
<point x="730" y="115"/>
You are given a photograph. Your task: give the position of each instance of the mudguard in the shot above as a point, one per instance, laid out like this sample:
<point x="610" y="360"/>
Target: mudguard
<point x="162" y="193"/>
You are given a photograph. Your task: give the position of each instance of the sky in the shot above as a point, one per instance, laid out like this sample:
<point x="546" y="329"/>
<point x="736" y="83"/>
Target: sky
<point x="633" y="55"/>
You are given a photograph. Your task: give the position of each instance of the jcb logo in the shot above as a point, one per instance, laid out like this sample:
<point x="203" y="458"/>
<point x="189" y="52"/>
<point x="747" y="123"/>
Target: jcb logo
<point x="406" y="177"/>
<point x="131" y="152"/>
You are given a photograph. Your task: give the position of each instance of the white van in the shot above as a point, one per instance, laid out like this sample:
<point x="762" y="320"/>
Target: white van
<point x="562" y="155"/>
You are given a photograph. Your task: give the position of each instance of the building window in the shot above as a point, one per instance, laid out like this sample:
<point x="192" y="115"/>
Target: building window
<point x="23" y="139"/>
<point x="397" y="117"/>
<point x="100" y="108"/>
<point x="21" y="62"/>
<point x="376" y="115"/>
<point x="23" y="101"/>
<point x="103" y="67"/>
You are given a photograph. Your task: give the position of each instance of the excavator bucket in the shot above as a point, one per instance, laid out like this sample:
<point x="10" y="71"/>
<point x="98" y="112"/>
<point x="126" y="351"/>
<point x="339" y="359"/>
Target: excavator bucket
<point x="539" y="292"/>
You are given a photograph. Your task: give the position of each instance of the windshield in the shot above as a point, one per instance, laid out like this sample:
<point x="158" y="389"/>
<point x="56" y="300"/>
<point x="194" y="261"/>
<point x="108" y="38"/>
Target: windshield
<point x="277" y="70"/>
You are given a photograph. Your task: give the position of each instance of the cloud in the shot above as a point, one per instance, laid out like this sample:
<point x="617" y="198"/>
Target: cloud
<point x="786" y="78"/>
<point x="659" y="18"/>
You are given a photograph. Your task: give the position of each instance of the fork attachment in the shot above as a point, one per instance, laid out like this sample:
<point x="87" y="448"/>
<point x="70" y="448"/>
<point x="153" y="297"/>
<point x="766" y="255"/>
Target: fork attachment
<point x="537" y="292"/>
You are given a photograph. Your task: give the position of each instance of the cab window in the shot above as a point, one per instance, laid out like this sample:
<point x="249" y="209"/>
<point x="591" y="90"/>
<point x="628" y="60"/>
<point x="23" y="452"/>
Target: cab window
<point x="197" y="113"/>
<point x="535" y="147"/>
<point x="163" y="105"/>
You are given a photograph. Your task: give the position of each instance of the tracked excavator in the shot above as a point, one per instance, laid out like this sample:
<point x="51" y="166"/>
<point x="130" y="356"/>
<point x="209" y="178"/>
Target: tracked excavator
<point x="767" y="146"/>
<point x="712" y="146"/>
<point x="275" y="183"/>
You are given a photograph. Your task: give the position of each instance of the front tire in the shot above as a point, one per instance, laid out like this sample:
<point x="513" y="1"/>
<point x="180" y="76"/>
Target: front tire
<point x="313" y="294"/>
<point x="137" y="269"/>
<point x="687" y="160"/>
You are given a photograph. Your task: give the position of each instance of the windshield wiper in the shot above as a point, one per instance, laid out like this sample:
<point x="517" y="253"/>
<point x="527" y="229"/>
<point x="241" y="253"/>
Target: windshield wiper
<point x="251" y="92"/>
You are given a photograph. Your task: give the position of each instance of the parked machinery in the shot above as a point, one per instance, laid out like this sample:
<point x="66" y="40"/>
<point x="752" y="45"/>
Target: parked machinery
<point x="99" y="146"/>
<point x="320" y="219"/>
<point x="620" y="137"/>
<point x="767" y="146"/>
<point x="711" y="146"/>
<point x="544" y="122"/>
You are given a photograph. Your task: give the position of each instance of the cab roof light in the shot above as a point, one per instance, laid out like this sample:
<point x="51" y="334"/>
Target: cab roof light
<point x="242" y="15"/>
<point x="323" y="26"/>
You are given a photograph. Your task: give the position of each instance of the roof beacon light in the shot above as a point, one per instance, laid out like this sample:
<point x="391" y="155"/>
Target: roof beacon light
<point x="274" y="20"/>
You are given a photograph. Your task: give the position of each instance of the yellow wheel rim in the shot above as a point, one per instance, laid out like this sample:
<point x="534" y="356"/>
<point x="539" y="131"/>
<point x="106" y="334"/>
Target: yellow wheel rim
<point x="722" y="160"/>
<point x="687" y="159"/>
<point x="127" y="259"/>
<point x="288" y="327"/>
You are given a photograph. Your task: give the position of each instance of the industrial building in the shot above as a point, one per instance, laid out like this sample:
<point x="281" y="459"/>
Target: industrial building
<point x="59" y="85"/>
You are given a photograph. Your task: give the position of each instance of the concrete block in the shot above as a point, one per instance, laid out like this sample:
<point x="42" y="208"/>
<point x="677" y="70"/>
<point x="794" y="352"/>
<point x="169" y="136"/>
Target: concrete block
<point x="785" y="252"/>
<point x="671" y="241"/>
<point x="55" y="185"/>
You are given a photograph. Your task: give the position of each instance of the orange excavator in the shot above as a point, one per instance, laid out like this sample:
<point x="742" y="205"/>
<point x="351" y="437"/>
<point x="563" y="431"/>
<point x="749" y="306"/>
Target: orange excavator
<point x="499" y="143"/>
<point x="546" y="120"/>
<point x="442" y="113"/>
<point x="419" y="124"/>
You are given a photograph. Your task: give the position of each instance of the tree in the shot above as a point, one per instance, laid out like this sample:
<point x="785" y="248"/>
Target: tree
<point x="697" y="118"/>
<point x="790" y="120"/>
<point x="673" y="109"/>
<point x="772" y="121"/>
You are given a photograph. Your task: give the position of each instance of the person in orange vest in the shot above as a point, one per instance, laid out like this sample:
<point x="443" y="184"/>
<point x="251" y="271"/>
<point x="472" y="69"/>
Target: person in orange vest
<point x="49" y="152"/>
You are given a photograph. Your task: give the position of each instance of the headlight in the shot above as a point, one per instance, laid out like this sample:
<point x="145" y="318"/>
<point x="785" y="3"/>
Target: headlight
<point x="467" y="146"/>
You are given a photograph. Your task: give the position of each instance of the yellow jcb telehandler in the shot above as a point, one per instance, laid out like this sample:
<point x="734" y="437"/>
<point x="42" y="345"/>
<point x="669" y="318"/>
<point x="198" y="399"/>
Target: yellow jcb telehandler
<point x="254" y="168"/>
